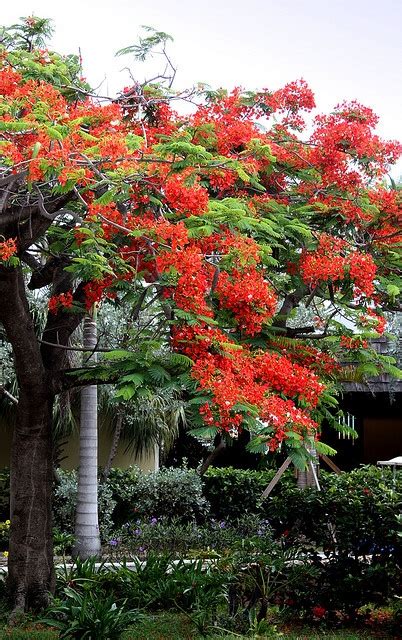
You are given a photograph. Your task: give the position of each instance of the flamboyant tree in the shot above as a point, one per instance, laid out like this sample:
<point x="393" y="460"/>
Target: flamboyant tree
<point x="252" y="260"/>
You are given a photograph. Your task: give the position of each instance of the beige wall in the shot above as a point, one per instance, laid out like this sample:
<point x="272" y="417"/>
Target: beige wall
<point x="123" y="459"/>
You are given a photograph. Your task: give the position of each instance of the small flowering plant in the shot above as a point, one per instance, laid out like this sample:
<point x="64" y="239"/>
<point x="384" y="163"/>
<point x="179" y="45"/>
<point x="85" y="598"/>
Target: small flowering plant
<point x="4" y="534"/>
<point x="318" y="612"/>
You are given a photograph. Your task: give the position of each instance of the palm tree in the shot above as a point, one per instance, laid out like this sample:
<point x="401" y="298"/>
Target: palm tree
<point x="87" y="538"/>
<point x="145" y="423"/>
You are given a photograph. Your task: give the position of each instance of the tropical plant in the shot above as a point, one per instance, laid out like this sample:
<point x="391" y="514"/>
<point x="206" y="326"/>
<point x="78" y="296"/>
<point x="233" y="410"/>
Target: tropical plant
<point x="85" y="615"/>
<point x="244" y="252"/>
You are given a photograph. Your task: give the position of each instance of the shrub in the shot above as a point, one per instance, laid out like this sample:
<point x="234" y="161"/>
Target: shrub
<point x="234" y="492"/>
<point x="170" y="493"/>
<point x="165" y="535"/>
<point x="124" y="486"/>
<point x="355" y="513"/>
<point x="65" y="501"/>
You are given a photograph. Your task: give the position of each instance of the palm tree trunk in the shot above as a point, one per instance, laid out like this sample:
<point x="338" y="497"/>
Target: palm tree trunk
<point x="114" y="446"/>
<point x="87" y="538"/>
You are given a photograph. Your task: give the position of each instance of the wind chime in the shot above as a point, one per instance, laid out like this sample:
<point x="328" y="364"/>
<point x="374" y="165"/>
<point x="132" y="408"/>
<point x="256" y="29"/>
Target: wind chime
<point x="347" y="427"/>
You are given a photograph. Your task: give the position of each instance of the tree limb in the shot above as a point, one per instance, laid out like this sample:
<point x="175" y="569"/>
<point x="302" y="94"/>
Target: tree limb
<point x="8" y="394"/>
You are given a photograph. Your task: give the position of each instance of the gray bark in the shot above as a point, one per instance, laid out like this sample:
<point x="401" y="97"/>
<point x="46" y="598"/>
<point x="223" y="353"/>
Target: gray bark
<point x="87" y="538"/>
<point x="114" y="446"/>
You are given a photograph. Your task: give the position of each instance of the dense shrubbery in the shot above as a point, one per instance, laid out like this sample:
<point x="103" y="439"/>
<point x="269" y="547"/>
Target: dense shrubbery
<point x="358" y="508"/>
<point x="323" y="557"/>
<point x="248" y="588"/>
<point x="234" y="492"/>
<point x="169" y="493"/>
<point x="167" y="535"/>
<point x="347" y="534"/>
<point x="65" y="500"/>
<point x="355" y="513"/>
<point x="129" y="495"/>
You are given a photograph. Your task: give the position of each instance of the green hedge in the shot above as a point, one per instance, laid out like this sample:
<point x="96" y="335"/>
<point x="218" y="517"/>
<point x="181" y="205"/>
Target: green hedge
<point x="356" y="512"/>
<point x="232" y="493"/>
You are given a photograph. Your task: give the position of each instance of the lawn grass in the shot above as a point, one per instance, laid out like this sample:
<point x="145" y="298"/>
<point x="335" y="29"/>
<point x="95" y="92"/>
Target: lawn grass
<point x="173" y="626"/>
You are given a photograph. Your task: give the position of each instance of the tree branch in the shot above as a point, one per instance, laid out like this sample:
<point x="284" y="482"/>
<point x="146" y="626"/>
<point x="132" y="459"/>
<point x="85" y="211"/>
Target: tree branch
<point x="8" y="394"/>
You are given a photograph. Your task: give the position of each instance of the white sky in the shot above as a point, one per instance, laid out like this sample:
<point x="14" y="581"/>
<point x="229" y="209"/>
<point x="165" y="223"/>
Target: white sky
<point x="345" y="49"/>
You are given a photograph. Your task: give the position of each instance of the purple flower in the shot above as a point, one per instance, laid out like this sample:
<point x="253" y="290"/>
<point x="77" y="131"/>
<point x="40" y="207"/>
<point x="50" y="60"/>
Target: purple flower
<point x="153" y="521"/>
<point x="137" y="532"/>
<point x="222" y="524"/>
<point x="113" y="542"/>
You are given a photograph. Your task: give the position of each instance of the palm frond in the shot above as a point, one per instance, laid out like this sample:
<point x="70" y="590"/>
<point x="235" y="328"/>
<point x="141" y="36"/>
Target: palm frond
<point x="153" y="420"/>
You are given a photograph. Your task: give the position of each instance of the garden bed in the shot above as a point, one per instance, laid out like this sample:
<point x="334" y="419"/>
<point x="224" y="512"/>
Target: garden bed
<point x="214" y="553"/>
<point x="173" y="626"/>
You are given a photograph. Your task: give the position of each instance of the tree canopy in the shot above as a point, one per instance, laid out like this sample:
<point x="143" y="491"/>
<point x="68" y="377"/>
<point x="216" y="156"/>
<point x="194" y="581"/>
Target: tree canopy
<point x="230" y="222"/>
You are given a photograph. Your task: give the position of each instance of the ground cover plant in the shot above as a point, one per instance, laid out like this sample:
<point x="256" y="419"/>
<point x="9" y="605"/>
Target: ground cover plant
<point x="193" y="602"/>
<point x="171" y="625"/>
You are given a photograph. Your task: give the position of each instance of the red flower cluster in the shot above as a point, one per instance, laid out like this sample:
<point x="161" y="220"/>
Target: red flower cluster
<point x="249" y="297"/>
<point x="190" y="278"/>
<point x="318" y="612"/>
<point x="191" y="200"/>
<point x="281" y="374"/>
<point x="372" y="318"/>
<point x="345" y="142"/>
<point x="293" y="98"/>
<point x="62" y="301"/>
<point x="95" y="290"/>
<point x="326" y="263"/>
<point x="353" y="343"/>
<point x="362" y="271"/>
<point x="7" y="249"/>
<point x="333" y="261"/>
<point x="9" y="81"/>
<point x="232" y="374"/>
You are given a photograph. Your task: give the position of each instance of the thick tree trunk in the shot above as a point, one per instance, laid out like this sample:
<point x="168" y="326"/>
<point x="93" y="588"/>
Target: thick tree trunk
<point x="30" y="561"/>
<point x="31" y="575"/>
<point x="87" y="539"/>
